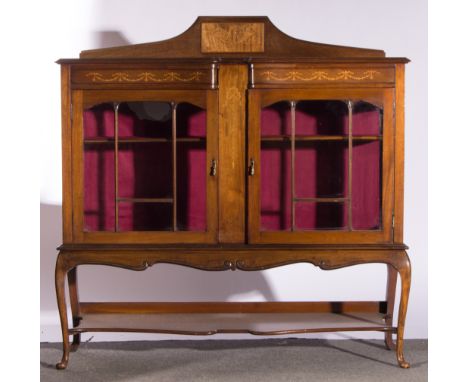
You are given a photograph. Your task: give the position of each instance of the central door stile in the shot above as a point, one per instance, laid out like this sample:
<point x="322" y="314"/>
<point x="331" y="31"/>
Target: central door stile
<point x="233" y="81"/>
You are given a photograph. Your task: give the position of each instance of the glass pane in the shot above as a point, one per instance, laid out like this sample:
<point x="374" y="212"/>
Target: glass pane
<point x="276" y="120"/>
<point x="99" y="188"/>
<point x="145" y="216"/>
<point x="191" y="168"/>
<point x="145" y="119"/>
<point x="145" y="166"/>
<point x="325" y="192"/>
<point x="366" y="184"/>
<point x="321" y="169"/>
<point x="316" y="216"/>
<point x="145" y="170"/>
<point x="98" y="121"/>
<point x="191" y="121"/>
<point x="149" y="197"/>
<point x="275" y="162"/>
<point x="191" y="186"/>
<point x="367" y="119"/>
<point x="275" y="183"/>
<point x="99" y="185"/>
<point x="321" y="117"/>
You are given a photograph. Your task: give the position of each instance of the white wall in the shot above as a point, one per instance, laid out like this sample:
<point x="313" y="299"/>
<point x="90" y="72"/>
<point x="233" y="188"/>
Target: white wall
<point x="397" y="26"/>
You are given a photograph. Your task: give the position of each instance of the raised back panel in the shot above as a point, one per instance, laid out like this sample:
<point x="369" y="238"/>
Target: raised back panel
<point x="232" y="37"/>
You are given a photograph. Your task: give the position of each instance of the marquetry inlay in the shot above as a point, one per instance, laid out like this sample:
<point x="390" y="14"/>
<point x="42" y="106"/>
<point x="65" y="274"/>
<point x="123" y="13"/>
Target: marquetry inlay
<point x="311" y="75"/>
<point x="300" y="75"/>
<point x="232" y="37"/>
<point x="198" y="77"/>
<point x="144" y="77"/>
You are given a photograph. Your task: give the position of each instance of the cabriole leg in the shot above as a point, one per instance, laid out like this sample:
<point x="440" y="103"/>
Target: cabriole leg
<point x="75" y="305"/>
<point x="405" y="275"/>
<point x="60" y="272"/>
<point x="392" y="275"/>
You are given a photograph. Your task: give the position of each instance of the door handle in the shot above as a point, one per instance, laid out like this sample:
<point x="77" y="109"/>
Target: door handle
<point x="213" y="167"/>
<point x="251" y="169"/>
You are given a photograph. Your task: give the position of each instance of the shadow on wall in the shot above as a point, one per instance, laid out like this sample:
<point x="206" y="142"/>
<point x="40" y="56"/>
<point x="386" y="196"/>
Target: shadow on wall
<point x="51" y="238"/>
<point x="108" y="39"/>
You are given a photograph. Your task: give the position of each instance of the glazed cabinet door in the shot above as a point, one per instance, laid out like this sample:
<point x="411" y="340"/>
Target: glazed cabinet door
<point x="320" y="166"/>
<point x="144" y="166"/>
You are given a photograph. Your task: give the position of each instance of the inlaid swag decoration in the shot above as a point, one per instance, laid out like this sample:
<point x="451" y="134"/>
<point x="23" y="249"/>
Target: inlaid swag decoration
<point x="320" y="75"/>
<point x="145" y="77"/>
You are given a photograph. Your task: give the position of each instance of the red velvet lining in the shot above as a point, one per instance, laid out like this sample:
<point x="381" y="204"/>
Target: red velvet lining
<point x="321" y="167"/>
<point x="145" y="170"/>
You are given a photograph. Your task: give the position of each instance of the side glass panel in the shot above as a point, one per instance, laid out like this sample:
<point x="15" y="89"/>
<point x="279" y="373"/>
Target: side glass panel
<point x="144" y="167"/>
<point x="367" y="166"/>
<point x="321" y="166"/>
<point x="99" y="168"/>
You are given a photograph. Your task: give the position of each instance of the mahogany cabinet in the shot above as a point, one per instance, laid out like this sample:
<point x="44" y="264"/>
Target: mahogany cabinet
<point x="232" y="147"/>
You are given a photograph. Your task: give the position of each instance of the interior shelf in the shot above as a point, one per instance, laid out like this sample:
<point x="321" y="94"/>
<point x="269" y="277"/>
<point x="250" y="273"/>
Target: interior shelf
<point x="142" y="140"/>
<point x="300" y="138"/>
<point x="146" y="200"/>
<point x="213" y="323"/>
